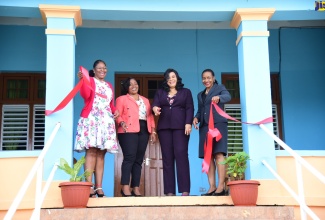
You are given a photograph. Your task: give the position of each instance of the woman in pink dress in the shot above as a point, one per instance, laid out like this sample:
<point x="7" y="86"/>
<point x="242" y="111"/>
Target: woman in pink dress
<point x="96" y="133"/>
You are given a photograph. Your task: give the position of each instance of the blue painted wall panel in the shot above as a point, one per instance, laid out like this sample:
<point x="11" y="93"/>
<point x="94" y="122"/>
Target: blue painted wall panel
<point x="22" y="48"/>
<point x="302" y="84"/>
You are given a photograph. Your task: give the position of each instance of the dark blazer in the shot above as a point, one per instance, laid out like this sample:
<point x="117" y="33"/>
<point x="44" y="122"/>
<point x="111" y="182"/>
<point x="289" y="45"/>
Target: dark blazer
<point x="203" y="111"/>
<point x="181" y="112"/>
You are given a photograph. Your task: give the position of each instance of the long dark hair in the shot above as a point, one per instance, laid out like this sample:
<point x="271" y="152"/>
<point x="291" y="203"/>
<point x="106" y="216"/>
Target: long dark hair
<point x="179" y="84"/>
<point x="125" y="85"/>
<point x="91" y="72"/>
<point x="211" y="71"/>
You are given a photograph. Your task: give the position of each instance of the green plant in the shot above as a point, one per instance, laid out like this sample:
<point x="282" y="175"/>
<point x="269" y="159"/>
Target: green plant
<point x="74" y="171"/>
<point x="236" y="165"/>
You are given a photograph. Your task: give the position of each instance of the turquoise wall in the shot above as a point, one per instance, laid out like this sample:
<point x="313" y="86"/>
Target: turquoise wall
<point x="298" y="54"/>
<point x="302" y="73"/>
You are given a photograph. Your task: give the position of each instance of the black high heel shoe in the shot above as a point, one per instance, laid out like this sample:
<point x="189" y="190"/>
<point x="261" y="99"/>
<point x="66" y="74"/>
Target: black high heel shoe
<point x="91" y="195"/>
<point x="208" y="194"/>
<point x="124" y="195"/>
<point x="99" y="194"/>
<point x="222" y="193"/>
<point x="133" y="194"/>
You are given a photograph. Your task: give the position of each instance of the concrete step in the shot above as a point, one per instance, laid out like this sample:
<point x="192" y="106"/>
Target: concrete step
<point x="167" y="208"/>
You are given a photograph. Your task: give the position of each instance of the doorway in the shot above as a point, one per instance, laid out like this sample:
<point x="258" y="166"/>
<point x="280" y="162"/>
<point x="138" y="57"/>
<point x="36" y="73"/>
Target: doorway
<point x="151" y="183"/>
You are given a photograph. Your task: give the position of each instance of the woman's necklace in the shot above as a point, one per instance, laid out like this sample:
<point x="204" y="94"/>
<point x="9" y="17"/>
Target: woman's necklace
<point x="171" y="93"/>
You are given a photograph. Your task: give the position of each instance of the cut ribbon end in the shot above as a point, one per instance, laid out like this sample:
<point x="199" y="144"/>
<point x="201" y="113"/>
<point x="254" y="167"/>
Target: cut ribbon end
<point x="48" y="112"/>
<point x="205" y="167"/>
<point x="84" y="72"/>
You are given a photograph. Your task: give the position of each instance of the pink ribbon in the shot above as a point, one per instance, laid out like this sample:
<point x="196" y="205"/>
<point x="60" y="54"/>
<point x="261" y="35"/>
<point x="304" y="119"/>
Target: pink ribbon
<point x="215" y="133"/>
<point x="74" y="91"/>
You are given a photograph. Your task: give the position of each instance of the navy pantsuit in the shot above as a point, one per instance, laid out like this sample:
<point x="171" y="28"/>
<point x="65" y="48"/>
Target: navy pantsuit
<point x="173" y="141"/>
<point x="174" y="149"/>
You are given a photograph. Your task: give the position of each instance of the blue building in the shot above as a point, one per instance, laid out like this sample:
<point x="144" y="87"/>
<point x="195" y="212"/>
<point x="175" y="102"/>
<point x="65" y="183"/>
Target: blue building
<point x="268" y="54"/>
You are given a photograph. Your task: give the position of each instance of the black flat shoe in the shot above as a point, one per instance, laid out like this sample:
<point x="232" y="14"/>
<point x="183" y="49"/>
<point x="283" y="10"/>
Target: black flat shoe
<point x="133" y="194"/>
<point x="208" y="194"/>
<point x="222" y="193"/>
<point x="124" y="195"/>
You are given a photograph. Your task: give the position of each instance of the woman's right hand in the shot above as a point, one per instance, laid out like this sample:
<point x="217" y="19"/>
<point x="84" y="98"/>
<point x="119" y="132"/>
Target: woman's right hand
<point x="195" y="122"/>
<point x="124" y="126"/>
<point x="156" y="110"/>
<point x="79" y="75"/>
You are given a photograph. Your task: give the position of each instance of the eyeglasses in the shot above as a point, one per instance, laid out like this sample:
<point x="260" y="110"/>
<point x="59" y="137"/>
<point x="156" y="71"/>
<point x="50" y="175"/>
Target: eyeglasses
<point x="102" y="68"/>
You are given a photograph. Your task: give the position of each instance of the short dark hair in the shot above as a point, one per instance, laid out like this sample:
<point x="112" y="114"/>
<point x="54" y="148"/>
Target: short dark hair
<point x="179" y="84"/>
<point x="125" y="85"/>
<point x="211" y="71"/>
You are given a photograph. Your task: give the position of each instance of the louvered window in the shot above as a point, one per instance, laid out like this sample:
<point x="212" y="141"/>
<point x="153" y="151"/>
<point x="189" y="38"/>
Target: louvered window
<point x="22" y="107"/>
<point x="14" y="127"/>
<point x="231" y="81"/>
<point x="235" y="138"/>
<point x="275" y="124"/>
<point x="38" y="127"/>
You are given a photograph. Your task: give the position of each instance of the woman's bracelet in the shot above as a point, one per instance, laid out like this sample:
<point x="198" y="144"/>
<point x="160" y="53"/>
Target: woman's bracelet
<point x="154" y="132"/>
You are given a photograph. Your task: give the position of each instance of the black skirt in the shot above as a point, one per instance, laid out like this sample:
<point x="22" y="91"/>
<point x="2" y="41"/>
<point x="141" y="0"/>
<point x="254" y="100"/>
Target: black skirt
<point x="218" y="147"/>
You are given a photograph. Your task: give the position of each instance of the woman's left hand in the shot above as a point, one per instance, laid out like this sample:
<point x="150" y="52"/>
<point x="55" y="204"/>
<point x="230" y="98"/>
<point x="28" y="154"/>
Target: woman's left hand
<point x="215" y="99"/>
<point x="116" y="114"/>
<point x="188" y="129"/>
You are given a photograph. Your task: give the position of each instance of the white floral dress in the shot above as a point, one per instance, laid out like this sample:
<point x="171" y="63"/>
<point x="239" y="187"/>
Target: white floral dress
<point x="98" y="130"/>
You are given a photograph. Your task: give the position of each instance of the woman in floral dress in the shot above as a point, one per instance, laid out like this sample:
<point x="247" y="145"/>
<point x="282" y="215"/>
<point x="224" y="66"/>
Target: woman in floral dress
<point x="96" y="132"/>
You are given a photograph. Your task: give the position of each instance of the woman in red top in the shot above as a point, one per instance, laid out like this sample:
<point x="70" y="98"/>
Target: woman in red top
<point x="96" y="132"/>
<point x="136" y="124"/>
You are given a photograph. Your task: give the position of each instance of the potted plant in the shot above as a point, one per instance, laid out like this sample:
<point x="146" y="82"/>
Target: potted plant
<point x="75" y="194"/>
<point x="242" y="192"/>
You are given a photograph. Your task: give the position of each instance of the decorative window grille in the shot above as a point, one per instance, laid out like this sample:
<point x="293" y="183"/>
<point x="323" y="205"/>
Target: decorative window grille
<point x="235" y="138"/>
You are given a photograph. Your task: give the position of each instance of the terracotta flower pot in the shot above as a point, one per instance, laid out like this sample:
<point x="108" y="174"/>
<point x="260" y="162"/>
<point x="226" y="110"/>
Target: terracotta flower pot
<point x="244" y="192"/>
<point x="75" y="194"/>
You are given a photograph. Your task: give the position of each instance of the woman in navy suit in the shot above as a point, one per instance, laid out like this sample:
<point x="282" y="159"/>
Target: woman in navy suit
<point x="174" y="105"/>
<point x="220" y="95"/>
